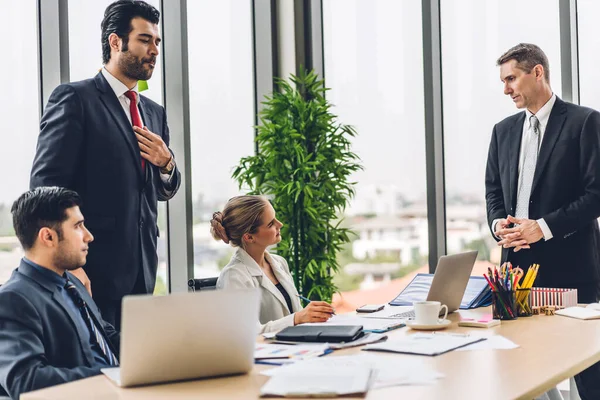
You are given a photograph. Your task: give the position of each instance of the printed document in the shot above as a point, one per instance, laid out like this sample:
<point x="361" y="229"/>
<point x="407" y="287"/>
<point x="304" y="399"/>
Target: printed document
<point x="318" y="382"/>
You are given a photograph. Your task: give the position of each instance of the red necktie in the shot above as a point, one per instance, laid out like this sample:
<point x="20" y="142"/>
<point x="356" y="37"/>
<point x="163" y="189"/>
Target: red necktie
<point x="136" y="119"/>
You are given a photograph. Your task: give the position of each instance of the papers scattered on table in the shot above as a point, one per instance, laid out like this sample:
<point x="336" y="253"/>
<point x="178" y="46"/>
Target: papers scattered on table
<point x="366" y="339"/>
<point x="318" y="382"/>
<point x="428" y="344"/>
<point x="387" y="371"/>
<point x="284" y="354"/>
<point x="495" y="342"/>
<point x="368" y="324"/>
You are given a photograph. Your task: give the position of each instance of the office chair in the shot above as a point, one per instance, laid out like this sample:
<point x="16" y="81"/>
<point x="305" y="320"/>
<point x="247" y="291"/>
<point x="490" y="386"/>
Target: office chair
<point x="202" y="284"/>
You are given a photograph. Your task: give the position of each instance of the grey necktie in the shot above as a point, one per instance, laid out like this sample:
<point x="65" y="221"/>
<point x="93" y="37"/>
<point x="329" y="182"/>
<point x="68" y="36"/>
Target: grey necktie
<point x="528" y="169"/>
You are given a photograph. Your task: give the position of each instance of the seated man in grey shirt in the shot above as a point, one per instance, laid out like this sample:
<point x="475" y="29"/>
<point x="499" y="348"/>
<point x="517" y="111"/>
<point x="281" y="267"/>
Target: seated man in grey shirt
<point x="51" y="331"/>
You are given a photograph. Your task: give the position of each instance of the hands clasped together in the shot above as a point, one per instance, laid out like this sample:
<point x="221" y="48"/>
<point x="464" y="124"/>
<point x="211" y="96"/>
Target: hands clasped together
<point x="521" y="235"/>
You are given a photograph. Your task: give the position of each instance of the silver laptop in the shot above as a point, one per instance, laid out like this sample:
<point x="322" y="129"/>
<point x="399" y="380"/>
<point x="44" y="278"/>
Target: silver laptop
<point x="448" y="285"/>
<point x="186" y="336"/>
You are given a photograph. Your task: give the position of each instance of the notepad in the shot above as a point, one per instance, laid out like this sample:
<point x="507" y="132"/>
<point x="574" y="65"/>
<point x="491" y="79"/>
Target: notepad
<point x="367" y="338"/>
<point x="318" y="382"/>
<point x="579" y="313"/>
<point x="486" y="321"/>
<point x="427" y="344"/>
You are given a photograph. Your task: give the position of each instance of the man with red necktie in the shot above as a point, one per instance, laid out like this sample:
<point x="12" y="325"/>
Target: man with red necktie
<point x="102" y="139"/>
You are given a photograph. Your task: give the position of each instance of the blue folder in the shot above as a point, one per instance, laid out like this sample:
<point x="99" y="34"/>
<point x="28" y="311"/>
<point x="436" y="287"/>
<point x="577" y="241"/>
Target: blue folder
<point x="477" y="293"/>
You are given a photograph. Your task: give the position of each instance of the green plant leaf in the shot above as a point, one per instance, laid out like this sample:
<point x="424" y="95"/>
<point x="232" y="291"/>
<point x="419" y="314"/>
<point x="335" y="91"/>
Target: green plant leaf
<point x="304" y="161"/>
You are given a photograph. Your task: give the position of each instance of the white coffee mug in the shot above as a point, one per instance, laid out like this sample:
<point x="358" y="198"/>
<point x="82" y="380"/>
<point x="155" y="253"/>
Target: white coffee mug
<point x="428" y="312"/>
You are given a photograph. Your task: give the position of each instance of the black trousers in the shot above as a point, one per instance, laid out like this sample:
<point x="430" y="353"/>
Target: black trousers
<point x="111" y="308"/>
<point x="588" y="381"/>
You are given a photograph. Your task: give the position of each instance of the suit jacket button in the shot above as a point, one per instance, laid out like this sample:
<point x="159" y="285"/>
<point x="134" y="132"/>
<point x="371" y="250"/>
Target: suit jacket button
<point x="141" y="222"/>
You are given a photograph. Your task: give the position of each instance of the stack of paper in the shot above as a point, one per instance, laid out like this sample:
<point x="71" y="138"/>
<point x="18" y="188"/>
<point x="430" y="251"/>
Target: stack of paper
<point x="428" y="344"/>
<point x="579" y="313"/>
<point x="484" y="321"/>
<point x="318" y="382"/>
<point x="387" y="371"/>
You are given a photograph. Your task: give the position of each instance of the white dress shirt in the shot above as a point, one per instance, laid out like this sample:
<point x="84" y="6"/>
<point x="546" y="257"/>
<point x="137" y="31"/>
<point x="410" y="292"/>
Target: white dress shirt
<point x="543" y="115"/>
<point x="120" y="89"/>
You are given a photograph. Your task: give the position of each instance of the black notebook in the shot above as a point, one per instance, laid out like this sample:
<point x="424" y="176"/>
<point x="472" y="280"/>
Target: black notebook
<point x="330" y="334"/>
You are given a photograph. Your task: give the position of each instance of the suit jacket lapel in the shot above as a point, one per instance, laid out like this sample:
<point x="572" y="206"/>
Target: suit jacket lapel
<point x="147" y="121"/>
<point x="255" y="270"/>
<point x="111" y="102"/>
<point x="285" y="281"/>
<point x="29" y="271"/>
<point x="80" y="334"/>
<point x="553" y="130"/>
<point x="146" y="116"/>
<point x="514" y="144"/>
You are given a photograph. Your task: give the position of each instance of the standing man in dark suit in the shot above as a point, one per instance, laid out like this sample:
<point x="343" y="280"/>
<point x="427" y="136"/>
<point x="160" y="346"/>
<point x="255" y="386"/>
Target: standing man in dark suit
<point x="51" y="331"/>
<point x="543" y="184"/>
<point x="101" y="139"/>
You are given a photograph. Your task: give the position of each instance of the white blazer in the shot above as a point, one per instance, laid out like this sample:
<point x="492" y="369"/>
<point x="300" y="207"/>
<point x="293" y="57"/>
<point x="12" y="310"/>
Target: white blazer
<point x="243" y="272"/>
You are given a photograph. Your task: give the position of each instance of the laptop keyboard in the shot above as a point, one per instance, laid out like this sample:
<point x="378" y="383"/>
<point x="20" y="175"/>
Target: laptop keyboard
<point x="406" y="314"/>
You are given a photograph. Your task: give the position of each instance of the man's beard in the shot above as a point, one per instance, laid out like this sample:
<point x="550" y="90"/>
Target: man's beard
<point x="134" y="68"/>
<point x="66" y="261"/>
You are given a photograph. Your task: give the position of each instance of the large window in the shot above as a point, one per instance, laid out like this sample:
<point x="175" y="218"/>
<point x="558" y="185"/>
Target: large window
<point x="19" y="103"/>
<point x="85" y="60"/>
<point x="474" y="34"/>
<point x="589" y="56"/>
<point x="589" y="43"/>
<point x="374" y="67"/>
<point x="221" y="115"/>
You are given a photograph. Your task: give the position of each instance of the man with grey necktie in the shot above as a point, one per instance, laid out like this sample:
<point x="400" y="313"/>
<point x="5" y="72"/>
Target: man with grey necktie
<point x="542" y="184"/>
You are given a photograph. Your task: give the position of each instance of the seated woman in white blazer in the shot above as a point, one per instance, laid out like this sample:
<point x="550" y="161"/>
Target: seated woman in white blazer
<point x="249" y="224"/>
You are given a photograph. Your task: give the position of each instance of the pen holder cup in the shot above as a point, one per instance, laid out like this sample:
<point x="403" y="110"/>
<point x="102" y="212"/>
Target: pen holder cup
<point x="504" y="305"/>
<point x="523" y="302"/>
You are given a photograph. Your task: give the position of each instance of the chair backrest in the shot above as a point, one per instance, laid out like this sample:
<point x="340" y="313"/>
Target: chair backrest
<point x="202" y="284"/>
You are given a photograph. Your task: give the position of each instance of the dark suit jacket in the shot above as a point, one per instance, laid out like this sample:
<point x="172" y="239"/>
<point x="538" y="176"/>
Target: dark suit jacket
<point x="87" y="144"/>
<point x="565" y="192"/>
<point x="41" y="343"/>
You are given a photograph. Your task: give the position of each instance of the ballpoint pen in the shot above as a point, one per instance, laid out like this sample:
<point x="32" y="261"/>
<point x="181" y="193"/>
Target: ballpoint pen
<point x="309" y="300"/>
<point x="304" y="298"/>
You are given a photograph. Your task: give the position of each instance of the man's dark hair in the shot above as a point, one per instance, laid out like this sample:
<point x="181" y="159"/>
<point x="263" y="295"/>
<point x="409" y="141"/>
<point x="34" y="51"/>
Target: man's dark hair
<point x="527" y="56"/>
<point x="117" y="19"/>
<point x="41" y="207"/>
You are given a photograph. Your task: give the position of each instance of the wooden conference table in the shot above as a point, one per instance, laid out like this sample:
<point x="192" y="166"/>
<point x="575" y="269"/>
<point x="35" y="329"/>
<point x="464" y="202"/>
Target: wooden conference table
<point x="552" y="349"/>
